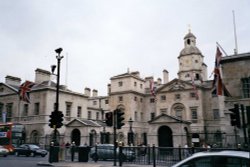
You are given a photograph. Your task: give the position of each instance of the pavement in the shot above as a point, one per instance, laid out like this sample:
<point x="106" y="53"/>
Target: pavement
<point x="88" y="164"/>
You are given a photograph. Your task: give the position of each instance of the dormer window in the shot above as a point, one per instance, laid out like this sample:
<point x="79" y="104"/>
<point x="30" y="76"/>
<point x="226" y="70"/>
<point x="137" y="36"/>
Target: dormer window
<point x="188" y="42"/>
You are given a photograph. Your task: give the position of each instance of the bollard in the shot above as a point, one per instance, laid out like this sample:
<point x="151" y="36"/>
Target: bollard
<point x="72" y="151"/>
<point x="154" y="163"/>
<point x="51" y="150"/>
<point x="121" y="156"/>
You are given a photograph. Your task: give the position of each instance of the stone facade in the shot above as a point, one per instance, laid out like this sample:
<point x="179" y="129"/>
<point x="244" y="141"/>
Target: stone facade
<point x="181" y="111"/>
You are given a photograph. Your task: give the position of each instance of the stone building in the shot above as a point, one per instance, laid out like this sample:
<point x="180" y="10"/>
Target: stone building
<point x="175" y="112"/>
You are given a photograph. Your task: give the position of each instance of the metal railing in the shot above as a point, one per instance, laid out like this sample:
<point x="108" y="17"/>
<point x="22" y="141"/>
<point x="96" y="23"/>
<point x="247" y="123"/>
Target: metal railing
<point x="153" y="156"/>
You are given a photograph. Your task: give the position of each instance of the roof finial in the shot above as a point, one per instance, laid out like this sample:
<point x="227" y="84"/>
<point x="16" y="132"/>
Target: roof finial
<point x="189" y="28"/>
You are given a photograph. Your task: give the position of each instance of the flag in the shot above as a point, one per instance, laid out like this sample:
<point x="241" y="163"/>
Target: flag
<point x="217" y="82"/>
<point x="24" y="91"/>
<point x="152" y="88"/>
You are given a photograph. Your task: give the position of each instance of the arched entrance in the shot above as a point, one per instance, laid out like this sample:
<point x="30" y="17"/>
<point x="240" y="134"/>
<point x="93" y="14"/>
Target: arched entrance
<point x="76" y="137"/>
<point x="165" y="137"/>
<point x="92" y="138"/>
<point x="34" y="137"/>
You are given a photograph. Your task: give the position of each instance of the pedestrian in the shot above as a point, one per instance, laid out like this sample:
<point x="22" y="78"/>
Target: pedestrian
<point x="186" y="151"/>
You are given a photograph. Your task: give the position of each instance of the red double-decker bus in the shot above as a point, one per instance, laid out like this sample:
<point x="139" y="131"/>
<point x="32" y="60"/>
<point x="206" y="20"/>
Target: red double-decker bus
<point x="6" y="136"/>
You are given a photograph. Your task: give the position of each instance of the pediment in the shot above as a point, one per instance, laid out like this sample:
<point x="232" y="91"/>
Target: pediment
<point x="82" y="122"/>
<point x="6" y="89"/>
<point x="75" y="123"/>
<point x="176" y="85"/>
<point x="164" y="118"/>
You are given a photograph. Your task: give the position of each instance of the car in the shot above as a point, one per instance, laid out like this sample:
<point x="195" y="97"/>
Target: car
<point x="30" y="150"/>
<point x="3" y="151"/>
<point x="216" y="159"/>
<point x="106" y="151"/>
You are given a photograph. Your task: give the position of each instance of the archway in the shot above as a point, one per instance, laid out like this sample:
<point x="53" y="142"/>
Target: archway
<point x="165" y="137"/>
<point x="34" y="137"/>
<point x="92" y="138"/>
<point x="76" y="137"/>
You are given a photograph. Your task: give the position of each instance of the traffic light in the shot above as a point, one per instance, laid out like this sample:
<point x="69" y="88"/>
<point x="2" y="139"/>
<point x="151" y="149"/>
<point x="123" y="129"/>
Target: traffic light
<point x="248" y="114"/>
<point x="235" y="116"/>
<point x="109" y="119"/>
<point x="56" y="119"/>
<point x="120" y="118"/>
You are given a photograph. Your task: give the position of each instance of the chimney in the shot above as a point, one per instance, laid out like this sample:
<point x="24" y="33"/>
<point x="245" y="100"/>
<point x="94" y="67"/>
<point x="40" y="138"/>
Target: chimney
<point x="42" y="75"/>
<point x="87" y="91"/>
<point x="94" y="93"/>
<point x="148" y="79"/>
<point x="159" y="81"/>
<point x="165" y="77"/>
<point x="10" y="80"/>
<point x="135" y="73"/>
<point x="109" y="88"/>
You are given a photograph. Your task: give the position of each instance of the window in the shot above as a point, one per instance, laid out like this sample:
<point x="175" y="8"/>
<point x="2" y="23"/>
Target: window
<point x="9" y="108"/>
<point x="141" y="99"/>
<point x="1" y="111"/>
<point x="136" y="116"/>
<point x="25" y="109"/>
<point x="97" y="116"/>
<point x="204" y="161"/>
<point x="163" y="98"/>
<point x="106" y="101"/>
<point x="120" y="84"/>
<point x="216" y="114"/>
<point x="152" y="100"/>
<point x="177" y="96"/>
<point x="36" y="109"/>
<point x="120" y="98"/>
<point x="141" y="86"/>
<point x="68" y="109"/>
<point x="246" y="87"/>
<point x="135" y="98"/>
<point x="79" y="111"/>
<point x="89" y="114"/>
<point x="193" y="95"/>
<point x="187" y="75"/>
<point x="142" y="117"/>
<point x="178" y="113"/>
<point x="135" y="84"/>
<point x="194" y="115"/>
<point x="94" y="103"/>
<point x="152" y="115"/>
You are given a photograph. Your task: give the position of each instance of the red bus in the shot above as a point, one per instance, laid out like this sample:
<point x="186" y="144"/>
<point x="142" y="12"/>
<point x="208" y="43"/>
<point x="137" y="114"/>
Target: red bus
<point x="6" y="136"/>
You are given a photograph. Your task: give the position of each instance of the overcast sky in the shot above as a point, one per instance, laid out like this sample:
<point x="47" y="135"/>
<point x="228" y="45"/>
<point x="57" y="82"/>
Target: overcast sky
<point x="104" y="38"/>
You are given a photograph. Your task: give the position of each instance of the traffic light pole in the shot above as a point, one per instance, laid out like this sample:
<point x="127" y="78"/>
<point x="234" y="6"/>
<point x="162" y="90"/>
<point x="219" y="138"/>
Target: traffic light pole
<point x="58" y="57"/>
<point x="115" y="143"/>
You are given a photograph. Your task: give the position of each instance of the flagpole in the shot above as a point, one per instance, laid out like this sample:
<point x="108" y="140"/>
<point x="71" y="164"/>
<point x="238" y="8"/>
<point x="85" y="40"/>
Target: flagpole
<point x="235" y="35"/>
<point x="217" y="43"/>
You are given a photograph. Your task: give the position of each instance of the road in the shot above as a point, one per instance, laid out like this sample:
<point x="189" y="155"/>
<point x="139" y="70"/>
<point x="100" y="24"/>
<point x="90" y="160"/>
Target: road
<point x="21" y="161"/>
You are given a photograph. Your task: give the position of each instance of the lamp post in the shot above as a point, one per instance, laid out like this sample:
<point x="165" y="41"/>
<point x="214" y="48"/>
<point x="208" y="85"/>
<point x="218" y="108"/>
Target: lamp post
<point x="58" y="57"/>
<point x="130" y="133"/>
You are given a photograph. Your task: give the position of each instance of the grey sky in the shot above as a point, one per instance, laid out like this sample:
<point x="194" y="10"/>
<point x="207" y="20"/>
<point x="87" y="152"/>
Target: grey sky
<point x="103" y="38"/>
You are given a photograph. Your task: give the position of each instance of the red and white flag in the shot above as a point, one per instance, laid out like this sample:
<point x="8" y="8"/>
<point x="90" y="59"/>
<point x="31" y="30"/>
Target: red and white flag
<point x="217" y="82"/>
<point x="152" y="88"/>
<point x="24" y="90"/>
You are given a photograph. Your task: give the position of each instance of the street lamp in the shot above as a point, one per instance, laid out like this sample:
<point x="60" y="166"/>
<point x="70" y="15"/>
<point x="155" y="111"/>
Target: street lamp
<point x="58" y="57"/>
<point x="130" y="133"/>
